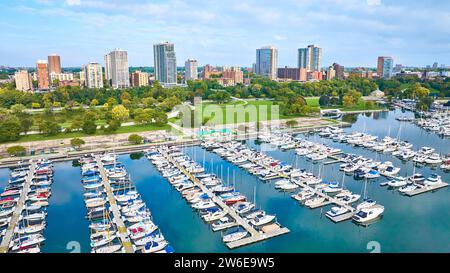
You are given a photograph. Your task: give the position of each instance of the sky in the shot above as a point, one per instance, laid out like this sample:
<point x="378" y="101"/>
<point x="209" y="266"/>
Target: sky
<point x="226" y="32"/>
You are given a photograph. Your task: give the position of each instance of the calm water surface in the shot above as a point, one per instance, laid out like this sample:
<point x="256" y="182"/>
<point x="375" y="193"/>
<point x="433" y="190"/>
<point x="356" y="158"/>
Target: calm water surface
<point x="417" y="224"/>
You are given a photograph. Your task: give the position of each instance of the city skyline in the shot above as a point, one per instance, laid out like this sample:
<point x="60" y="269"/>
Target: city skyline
<point x="352" y="32"/>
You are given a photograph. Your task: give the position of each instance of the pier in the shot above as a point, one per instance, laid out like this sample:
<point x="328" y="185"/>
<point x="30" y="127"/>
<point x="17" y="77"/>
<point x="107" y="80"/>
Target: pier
<point x="9" y="235"/>
<point x="255" y="236"/>
<point x="121" y="228"/>
<point x="427" y="189"/>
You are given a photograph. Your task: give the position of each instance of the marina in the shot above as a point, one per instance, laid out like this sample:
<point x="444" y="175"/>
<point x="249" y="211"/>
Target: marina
<point x="312" y="230"/>
<point x="207" y="195"/>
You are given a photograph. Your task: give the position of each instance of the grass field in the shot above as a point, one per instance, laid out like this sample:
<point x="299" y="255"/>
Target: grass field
<point x="121" y="130"/>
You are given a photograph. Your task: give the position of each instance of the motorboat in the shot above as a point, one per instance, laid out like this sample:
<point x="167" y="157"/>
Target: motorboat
<point x="314" y="201"/>
<point x="367" y="203"/>
<point x="303" y="195"/>
<point x="336" y="211"/>
<point x="408" y="188"/>
<point x="107" y="249"/>
<point x="262" y="219"/>
<point x="366" y="215"/>
<point x="433" y="180"/>
<point x="417" y="178"/>
<point x="204" y="204"/>
<point x="372" y="174"/>
<point x="398" y="182"/>
<point x="434" y="159"/>
<point x="234" y="234"/>
<point x="243" y="207"/>
<point x="154" y="246"/>
<point x="350" y="199"/>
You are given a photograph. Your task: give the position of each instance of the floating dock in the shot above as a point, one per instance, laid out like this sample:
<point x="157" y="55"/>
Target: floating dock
<point x="9" y="235"/>
<point x="255" y="236"/>
<point x="427" y="189"/>
<point x="121" y="228"/>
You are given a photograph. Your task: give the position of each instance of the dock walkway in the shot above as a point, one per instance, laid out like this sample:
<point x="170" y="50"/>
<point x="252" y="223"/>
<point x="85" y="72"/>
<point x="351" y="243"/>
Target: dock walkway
<point x="9" y="235"/>
<point x="121" y="228"/>
<point x="255" y="236"/>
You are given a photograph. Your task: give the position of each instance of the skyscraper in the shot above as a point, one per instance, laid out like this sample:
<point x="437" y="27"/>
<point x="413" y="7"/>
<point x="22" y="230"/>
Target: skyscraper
<point x="310" y="58"/>
<point x="266" y="62"/>
<point x="23" y="80"/>
<point x="165" y="63"/>
<point x="191" y="70"/>
<point x="116" y="63"/>
<point x="93" y="75"/>
<point x="54" y="64"/>
<point x="384" y="67"/>
<point x="42" y="74"/>
<point x="108" y="68"/>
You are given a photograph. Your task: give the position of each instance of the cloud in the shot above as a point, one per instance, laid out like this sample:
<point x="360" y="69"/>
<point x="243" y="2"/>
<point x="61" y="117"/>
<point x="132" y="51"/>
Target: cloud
<point x="72" y="2"/>
<point x="280" y="37"/>
<point x="373" y="2"/>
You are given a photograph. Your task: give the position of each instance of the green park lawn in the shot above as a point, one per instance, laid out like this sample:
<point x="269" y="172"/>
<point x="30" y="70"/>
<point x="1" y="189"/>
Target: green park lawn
<point x="121" y="130"/>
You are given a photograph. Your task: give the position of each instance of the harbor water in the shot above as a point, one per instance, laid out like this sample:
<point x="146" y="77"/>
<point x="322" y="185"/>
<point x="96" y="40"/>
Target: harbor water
<point x="409" y="224"/>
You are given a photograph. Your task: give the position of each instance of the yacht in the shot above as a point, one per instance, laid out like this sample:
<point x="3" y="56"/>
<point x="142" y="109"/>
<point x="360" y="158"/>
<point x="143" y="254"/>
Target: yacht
<point x="367" y="203"/>
<point x="262" y="219"/>
<point x="336" y="211"/>
<point x="372" y="174"/>
<point x="366" y="215"/>
<point x="234" y="235"/>
<point x="433" y="180"/>
<point x="433" y="159"/>
<point x="314" y="201"/>
<point x="398" y="182"/>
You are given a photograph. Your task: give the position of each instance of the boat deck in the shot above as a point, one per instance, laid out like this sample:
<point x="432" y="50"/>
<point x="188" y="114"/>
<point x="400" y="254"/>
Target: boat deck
<point x="9" y="235"/>
<point x="254" y="237"/>
<point x="343" y="217"/>
<point x="121" y="228"/>
<point x="427" y="189"/>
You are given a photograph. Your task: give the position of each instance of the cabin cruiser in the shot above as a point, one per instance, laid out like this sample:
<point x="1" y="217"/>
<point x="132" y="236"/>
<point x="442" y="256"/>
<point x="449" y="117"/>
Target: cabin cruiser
<point x="234" y="234"/>
<point x="433" y="159"/>
<point x="366" y="215"/>
<point x="367" y="203"/>
<point x="433" y="180"/>
<point x="336" y="211"/>
<point x="398" y="182"/>
<point x="417" y="178"/>
<point x="314" y="201"/>
<point x="303" y="195"/>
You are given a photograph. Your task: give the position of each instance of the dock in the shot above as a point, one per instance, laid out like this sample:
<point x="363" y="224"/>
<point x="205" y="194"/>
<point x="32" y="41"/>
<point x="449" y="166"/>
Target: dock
<point x="427" y="189"/>
<point x="9" y="235"/>
<point x="121" y="228"/>
<point x="255" y="236"/>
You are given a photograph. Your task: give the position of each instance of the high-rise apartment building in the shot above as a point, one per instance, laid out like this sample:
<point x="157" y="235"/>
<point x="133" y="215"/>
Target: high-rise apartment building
<point x="331" y="73"/>
<point x="23" y="80"/>
<point x="267" y="62"/>
<point x="165" y="63"/>
<point x="116" y="72"/>
<point x="310" y="58"/>
<point x="191" y="70"/>
<point x="42" y="74"/>
<point x="139" y="78"/>
<point x="54" y="64"/>
<point x="384" y="67"/>
<point x="93" y="75"/>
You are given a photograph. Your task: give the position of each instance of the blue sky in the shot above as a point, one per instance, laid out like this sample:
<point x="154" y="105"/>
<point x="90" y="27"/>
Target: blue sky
<point x="351" y="32"/>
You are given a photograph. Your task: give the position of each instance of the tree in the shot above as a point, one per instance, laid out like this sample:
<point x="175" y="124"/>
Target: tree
<point x="160" y="118"/>
<point x="113" y="125"/>
<point x="120" y="113"/>
<point x="94" y="102"/>
<point x="135" y="139"/>
<point x="324" y="100"/>
<point x="49" y="126"/>
<point x="35" y="105"/>
<point x="143" y="116"/>
<point x="16" y="150"/>
<point x="77" y="142"/>
<point x="89" y="126"/>
<point x="291" y="123"/>
<point x="18" y="108"/>
<point x="10" y="127"/>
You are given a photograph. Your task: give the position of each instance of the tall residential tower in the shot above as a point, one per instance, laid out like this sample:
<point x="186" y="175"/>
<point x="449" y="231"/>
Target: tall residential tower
<point x="310" y="58"/>
<point x="267" y="62"/>
<point x="116" y="63"/>
<point x="384" y="67"/>
<point x="165" y="63"/>
<point x="191" y="70"/>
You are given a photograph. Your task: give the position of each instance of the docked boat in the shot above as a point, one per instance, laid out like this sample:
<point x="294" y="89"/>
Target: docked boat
<point x="107" y="249"/>
<point x="366" y="215"/>
<point x="262" y="219"/>
<point x="398" y="182"/>
<point x="234" y="234"/>
<point x="336" y="211"/>
<point x="153" y="246"/>
<point x="433" y="180"/>
<point x="367" y="203"/>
